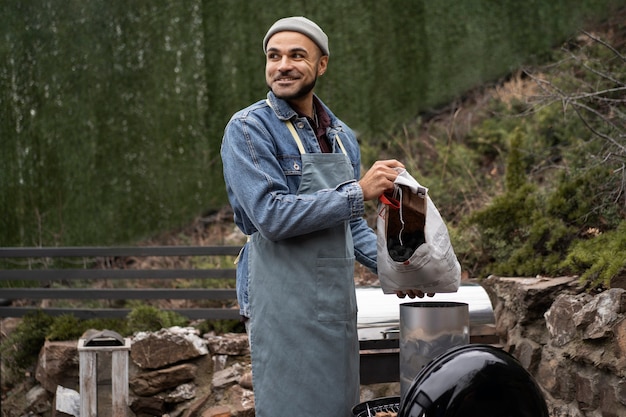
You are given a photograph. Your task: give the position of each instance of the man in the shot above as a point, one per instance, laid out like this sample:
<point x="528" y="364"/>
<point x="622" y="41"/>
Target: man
<point x="291" y="169"/>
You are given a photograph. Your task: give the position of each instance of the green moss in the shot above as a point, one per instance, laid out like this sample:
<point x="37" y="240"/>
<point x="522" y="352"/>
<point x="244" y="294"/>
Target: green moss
<point x="601" y="257"/>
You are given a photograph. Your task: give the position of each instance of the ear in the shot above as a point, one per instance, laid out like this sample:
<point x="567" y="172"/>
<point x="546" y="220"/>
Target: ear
<point x="322" y="65"/>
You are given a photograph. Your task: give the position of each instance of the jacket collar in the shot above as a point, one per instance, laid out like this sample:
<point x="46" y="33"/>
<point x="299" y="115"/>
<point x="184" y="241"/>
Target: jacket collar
<point x="284" y="112"/>
<point x="281" y="108"/>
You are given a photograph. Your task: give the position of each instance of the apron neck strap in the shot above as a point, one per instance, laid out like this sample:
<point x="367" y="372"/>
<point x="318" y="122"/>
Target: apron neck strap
<point x="296" y="137"/>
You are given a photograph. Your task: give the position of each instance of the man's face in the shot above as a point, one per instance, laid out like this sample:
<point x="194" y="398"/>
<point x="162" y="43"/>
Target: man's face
<point x="293" y="63"/>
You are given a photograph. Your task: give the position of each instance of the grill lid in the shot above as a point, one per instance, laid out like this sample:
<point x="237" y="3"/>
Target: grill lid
<point x="474" y="380"/>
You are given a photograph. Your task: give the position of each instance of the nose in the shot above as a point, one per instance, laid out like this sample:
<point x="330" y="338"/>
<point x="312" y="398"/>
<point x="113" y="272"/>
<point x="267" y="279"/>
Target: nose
<point x="284" y="64"/>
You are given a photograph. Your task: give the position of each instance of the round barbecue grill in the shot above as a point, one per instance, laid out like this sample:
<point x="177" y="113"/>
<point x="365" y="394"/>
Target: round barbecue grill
<point x="470" y="380"/>
<point x="473" y="380"/>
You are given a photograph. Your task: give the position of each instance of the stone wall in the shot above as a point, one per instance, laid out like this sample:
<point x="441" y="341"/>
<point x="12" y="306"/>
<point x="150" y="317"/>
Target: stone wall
<point x="173" y="372"/>
<point x="573" y="342"/>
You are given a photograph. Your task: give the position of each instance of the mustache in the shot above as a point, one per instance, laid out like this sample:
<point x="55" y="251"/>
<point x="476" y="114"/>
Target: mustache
<point x="287" y="74"/>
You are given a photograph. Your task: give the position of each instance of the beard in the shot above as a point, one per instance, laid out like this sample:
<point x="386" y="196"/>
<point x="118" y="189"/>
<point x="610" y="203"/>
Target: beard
<point x="301" y="92"/>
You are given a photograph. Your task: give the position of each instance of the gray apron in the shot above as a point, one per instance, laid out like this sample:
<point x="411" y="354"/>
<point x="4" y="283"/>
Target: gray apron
<point x="303" y="336"/>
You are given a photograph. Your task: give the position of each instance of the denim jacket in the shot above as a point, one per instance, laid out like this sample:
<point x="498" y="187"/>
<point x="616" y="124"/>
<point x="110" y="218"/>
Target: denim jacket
<point x="262" y="171"/>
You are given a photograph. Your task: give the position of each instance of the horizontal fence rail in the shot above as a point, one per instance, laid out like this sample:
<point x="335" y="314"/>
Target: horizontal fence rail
<point x="379" y="359"/>
<point x="121" y="251"/>
<point x="76" y="274"/>
<point x="22" y="265"/>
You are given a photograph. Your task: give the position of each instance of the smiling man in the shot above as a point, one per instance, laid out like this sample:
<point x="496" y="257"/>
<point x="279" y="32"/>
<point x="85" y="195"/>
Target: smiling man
<point x="293" y="64"/>
<point x="292" y="173"/>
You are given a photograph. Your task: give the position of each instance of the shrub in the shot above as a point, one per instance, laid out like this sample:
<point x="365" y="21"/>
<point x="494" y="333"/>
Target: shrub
<point x="68" y="327"/>
<point x="20" y="349"/>
<point x="149" y="318"/>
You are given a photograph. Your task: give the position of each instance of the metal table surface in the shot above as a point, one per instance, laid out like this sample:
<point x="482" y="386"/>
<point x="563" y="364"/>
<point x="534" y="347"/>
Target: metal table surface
<point x="379" y="326"/>
<point x="379" y="313"/>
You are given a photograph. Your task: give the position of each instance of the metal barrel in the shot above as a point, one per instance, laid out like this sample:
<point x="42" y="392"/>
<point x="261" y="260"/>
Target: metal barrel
<point x="428" y="329"/>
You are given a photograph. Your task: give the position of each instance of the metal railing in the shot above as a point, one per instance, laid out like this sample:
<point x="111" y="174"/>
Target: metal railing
<point x="33" y="274"/>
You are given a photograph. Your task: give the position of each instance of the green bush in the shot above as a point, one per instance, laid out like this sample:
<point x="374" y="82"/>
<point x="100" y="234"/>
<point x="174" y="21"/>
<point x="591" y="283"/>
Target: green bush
<point x="561" y="207"/>
<point x="149" y="318"/>
<point x="554" y="192"/>
<point x="220" y="326"/>
<point x="68" y="327"/>
<point x="20" y="349"/>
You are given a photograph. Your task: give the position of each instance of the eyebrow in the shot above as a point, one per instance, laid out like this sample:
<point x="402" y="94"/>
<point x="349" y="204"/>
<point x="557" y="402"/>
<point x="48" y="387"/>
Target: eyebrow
<point x="292" y="50"/>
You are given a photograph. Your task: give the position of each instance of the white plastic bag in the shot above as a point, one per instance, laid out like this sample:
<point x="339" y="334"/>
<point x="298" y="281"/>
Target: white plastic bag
<point x="414" y="249"/>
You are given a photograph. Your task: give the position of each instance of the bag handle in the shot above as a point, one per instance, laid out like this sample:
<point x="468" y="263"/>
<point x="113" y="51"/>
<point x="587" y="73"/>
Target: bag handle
<point x="390" y="201"/>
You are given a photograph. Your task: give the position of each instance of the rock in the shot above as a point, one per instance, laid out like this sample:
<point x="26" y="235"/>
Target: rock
<point x="559" y="321"/>
<point x="529" y="354"/>
<point x="38" y="400"/>
<point x="154" y="350"/>
<point x="232" y="344"/>
<point x="528" y="298"/>
<point x="546" y="372"/>
<point x="67" y="401"/>
<point x="218" y="411"/>
<point x="228" y="376"/>
<point x="150" y="383"/>
<point x="620" y="339"/>
<point x="597" y="317"/>
<point x="219" y="362"/>
<point x="372" y="391"/>
<point x="246" y="381"/>
<point x="58" y="365"/>
<point x="241" y="401"/>
<point x="152" y="406"/>
<point x="618" y="281"/>
<point x="181" y="393"/>
<point x="610" y="405"/>
<point x="586" y="395"/>
<point x="519" y="305"/>
<point x="8" y="326"/>
<point x="197" y="405"/>
<point x="620" y="391"/>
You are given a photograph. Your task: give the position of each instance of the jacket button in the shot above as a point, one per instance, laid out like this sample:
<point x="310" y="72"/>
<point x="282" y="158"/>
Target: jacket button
<point x="300" y="125"/>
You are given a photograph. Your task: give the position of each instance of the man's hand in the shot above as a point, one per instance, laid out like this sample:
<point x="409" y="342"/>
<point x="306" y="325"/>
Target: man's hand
<point x="413" y="294"/>
<point x="379" y="178"/>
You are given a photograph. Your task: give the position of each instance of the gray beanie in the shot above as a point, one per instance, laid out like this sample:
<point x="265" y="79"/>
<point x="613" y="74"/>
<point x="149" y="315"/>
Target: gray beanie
<point x="302" y="25"/>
